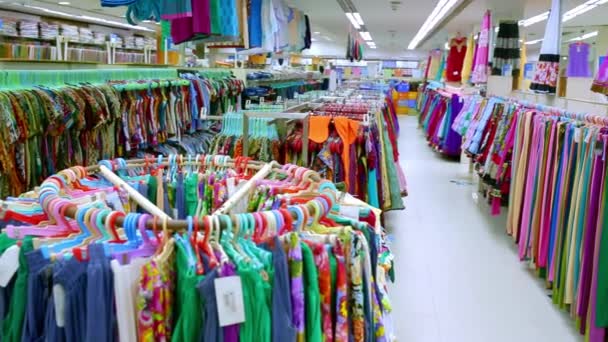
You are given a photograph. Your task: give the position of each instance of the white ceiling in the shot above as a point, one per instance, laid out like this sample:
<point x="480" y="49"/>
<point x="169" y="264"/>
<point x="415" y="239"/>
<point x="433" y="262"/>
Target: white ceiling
<point x="391" y="29"/>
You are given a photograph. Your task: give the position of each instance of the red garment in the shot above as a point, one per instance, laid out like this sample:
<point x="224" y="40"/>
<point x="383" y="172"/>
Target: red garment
<point x="458" y="48"/>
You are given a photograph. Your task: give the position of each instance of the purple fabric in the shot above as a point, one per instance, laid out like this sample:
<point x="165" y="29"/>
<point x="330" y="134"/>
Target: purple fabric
<point x="231" y="332"/>
<point x="589" y="242"/>
<point x="184" y="29"/>
<point x="578" y="63"/>
<point x="453" y="140"/>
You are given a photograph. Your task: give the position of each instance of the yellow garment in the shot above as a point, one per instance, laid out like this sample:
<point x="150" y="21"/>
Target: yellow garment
<point x="467" y="65"/>
<point x="435" y="63"/>
<point x="319" y="128"/>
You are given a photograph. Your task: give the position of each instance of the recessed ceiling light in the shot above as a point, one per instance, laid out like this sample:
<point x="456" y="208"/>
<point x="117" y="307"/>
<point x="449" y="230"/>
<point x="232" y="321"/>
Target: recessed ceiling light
<point x="317" y="32"/>
<point x="63" y="3"/>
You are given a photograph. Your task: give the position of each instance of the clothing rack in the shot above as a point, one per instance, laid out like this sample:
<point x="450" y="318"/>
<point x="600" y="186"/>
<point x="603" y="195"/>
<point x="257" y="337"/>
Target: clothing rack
<point x="29" y="78"/>
<point x="178" y="225"/>
<point x="283" y="116"/>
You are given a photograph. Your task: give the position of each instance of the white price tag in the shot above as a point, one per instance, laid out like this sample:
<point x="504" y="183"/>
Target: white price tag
<point x="114" y="202"/>
<point x="349" y="211"/>
<point x="279" y="99"/>
<point x="230" y="184"/>
<point x="261" y="100"/>
<point x="59" y="302"/>
<point x="577" y="135"/>
<point x="9" y="264"/>
<point x="203" y="112"/>
<point x="229" y="297"/>
<point x="247" y="104"/>
<point x="231" y="109"/>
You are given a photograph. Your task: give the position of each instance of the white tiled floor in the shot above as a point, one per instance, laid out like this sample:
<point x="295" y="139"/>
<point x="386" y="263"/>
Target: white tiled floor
<point x="458" y="277"/>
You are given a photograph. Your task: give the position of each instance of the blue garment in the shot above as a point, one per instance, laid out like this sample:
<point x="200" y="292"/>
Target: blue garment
<point x="39" y="288"/>
<point x="211" y="326"/>
<point x="72" y="276"/>
<point x="229" y="18"/>
<point x="101" y="323"/>
<point x="255" y="24"/>
<point x="282" y="314"/>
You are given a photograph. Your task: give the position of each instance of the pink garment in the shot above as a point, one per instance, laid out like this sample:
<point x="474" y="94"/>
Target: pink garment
<point x="480" y="65"/>
<point x="184" y="29"/>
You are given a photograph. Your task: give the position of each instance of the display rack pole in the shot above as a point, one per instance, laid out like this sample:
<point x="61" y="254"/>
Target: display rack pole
<point x="134" y="194"/>
<point x="251" y="183"/>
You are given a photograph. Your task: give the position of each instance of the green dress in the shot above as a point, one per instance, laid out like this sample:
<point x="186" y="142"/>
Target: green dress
<point x="312" y="296"/>
<point x="12" y="326"/>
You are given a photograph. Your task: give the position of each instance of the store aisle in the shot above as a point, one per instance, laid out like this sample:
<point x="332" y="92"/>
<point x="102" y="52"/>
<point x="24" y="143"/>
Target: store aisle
<point x="458" y="276"/>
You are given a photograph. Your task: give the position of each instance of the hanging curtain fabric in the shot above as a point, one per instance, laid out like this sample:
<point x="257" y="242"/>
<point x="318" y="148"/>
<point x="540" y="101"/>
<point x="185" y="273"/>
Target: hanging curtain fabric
<point x="467" y="64"/>
<point x="480" y="67"/>
<point x="506" y="51"/>
<point x="458" y="50"/>
<point x="524" y="59"/>
<point x="440" y="73"/>
<point x="434" y="63"/>
<point x="600" y="84"/>
<point x="547" y="68"/>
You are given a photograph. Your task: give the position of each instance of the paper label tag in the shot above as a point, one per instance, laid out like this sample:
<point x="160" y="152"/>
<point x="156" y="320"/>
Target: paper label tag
<point x="59" y="302"/>
<point x="279" y="99"/>
<point x="9" y="264"/>
<point x="247" y="104"/>
<point x="261" y="99"/>
<point x="203" y="114"/>
<point x="577" y="135"/>
<point x="349" y="211"/>
<point x="231" y="109"/>
<point x="230" y="184"/>
<point x="229" y="297"/>
<point x="114" y="202"/>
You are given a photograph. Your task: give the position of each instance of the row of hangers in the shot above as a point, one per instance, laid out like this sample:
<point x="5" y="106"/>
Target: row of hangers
<point x="94" y="223"/>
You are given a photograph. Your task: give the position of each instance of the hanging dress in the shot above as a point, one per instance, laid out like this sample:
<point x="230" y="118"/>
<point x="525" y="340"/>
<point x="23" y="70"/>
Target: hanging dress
<point x="547" y="68"/>
<point x="434" y="64"/>
<point x="467" y="64"/>
<point x="458" y="50"/>
<point x="506" y="51"/>
<point x="480" y="66"/>
<point x="578" y="60"/>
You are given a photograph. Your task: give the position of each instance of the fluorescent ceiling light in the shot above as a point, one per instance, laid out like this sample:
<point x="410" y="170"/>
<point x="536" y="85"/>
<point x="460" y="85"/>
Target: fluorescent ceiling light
<point x="358" y="18"/>
<point x="353" y="21"/>
<point x="535" y="19"/>
<point x="585" y="36"/>
<point x="438" y="13"/>
<point x="532" y="42"/>
<point x="365" y="35"/>
<point x="63" y="3"/>
<point x="571" y="14"/>
<point x="317" y="32"/>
